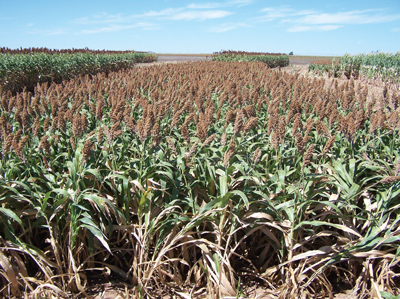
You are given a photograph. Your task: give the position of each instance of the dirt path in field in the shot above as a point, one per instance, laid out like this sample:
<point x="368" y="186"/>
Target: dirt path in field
<point x="185" y="58"/>
<point x="182" y="58"/>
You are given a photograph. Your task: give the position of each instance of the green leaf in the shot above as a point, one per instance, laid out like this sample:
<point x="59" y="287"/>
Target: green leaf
<point x="11" y="215"/>
<point x="386" y="295"/>
<point x="242" y="195"/>
<point x="323" y="223"/>
<point x="97" y="233"/>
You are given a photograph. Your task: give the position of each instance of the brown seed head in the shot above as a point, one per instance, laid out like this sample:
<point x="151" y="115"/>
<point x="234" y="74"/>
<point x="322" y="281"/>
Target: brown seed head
<point x="87" y="150"/>
<point x="250" y="124"/>
<point x="23" y="142"/>
<point x="46" y="124"/>
<point x="84" y="123"/>
<point x="140" y="130"/>
<point x="8" y="143"/>
<point x="176" y="118"/>
<point x="149" y="123"/>
<point x="36" y="127"/>
<point x="108" y="134"/>
<point x="308" y="156"/>
<point x="300" y="143"/>
<point x="227" y="157"/>
<point x="322" y="129"/>
<point x="171" y="145"/>
<point x="25" y="120"/>
<point x="281" y="130"/>
<point x="397" y="167"/>
<point x="329" y="145"/>
<point x="229" y="117"/>
<point x="238" y="123"/>
<point x="15" y="141"/>
<point x="275" y="140"/>
<point x="223" y="139"/>
<point x="191" y="152"/>
<point x="208" y="140"/>
<point x="374" y="124"/>
<point x="218" y="115"/>
<point x="202" y="131"/>
<point x="155" y="131"/>
<point x="389" y="179"/>
<point x="45" y="144"/>
<point x="296" y="123"/>
<point x="100" y="135"/>
<point x="76" y="125"/>
<point x="130" y="123"/>
<point x="256" y="155"/>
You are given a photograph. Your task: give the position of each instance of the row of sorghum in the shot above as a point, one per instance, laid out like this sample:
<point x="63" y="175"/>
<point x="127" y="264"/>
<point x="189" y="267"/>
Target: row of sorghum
<point x="188" y="101"/>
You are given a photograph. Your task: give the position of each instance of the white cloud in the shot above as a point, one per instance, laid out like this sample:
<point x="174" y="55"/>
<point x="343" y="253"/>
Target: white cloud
<point x="310" y="20"/>
<point x="227" y="27"/>
<point x="349" y="17"/>
<point x="114" y="28"/>
<point x="313" y="28"/>
<point x="102" y="18"/>
<point x="204" y="6"/>
<point x="191" y="12"/>
<point x="396" y="29"/>
<point x="185" y="14"/>
<point x="56" y="31"/>
<point x="240" y="2"/>
<point x="29" y="25"/>
<point x="282" y="12"/>
<point x="118" y="22"/>
<point x="222" y="29"/>
<point x="200" y="15"/>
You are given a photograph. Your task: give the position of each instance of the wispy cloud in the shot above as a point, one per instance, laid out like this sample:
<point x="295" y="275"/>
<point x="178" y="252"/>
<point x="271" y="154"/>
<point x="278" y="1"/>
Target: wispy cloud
<point x="184" y="14"/>
<point x="311" y="20"/>
<point x="240" y="2"/>
<point x="55" y="31"/>
<point x="396" y="29"/>
<point x="313" y="28"/>
<point x="205" y="6"/>
<point x="272" y="14"/>
<point x="29" y="25"/>
<point x="200" y="15"/>
<point x="350" y="17"/>
<point x="211" y="5"/>
<point x="118" y="22"/>
<point x="102" y="18"/>
<point x="198" y="12"/>
<point x="227" y="27"/>
<point x="114" y="28"/>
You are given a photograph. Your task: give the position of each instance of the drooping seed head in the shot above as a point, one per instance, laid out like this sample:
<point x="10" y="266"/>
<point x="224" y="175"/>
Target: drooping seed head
<point x="308" y="156"/>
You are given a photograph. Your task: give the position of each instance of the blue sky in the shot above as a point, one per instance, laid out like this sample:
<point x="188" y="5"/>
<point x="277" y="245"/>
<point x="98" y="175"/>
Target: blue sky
<point x="177" y="26"/>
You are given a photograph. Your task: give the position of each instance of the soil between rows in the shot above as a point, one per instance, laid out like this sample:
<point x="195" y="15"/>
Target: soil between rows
<point x="184" y="58"/>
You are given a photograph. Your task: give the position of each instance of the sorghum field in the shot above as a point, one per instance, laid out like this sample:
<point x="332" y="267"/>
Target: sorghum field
<point x="22" y="69"/>
<point x="194" y="179"/>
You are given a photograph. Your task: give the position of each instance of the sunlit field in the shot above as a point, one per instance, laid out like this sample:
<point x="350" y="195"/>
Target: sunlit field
<point x="197" y="179"/>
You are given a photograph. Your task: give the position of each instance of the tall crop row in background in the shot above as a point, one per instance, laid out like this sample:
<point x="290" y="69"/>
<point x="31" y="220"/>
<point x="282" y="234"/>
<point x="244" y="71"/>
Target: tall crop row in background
<point x="379" y="66"/>
<point x="235" y="53"/>
<point x="19" y="71"/>
<point x="189" y="178"/>
<point x="270" y="59"/>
